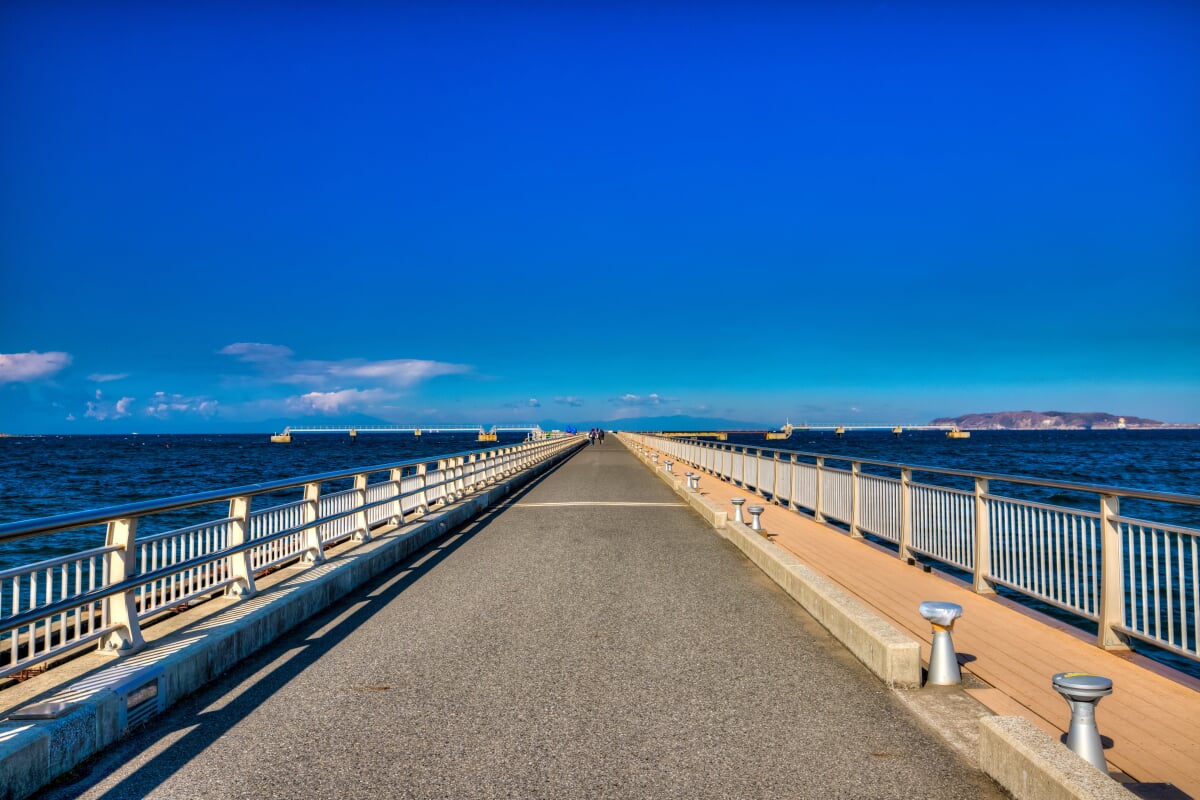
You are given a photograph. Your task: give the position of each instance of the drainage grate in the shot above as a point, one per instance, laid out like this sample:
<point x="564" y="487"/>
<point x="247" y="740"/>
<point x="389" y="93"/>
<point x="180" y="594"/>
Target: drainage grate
<point x="141" y="703"/>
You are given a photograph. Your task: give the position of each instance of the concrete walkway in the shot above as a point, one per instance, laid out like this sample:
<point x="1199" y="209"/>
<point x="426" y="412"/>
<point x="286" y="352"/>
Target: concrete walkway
<point x="591" y="638"/>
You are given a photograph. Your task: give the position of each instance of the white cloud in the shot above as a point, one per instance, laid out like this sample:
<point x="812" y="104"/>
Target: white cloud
<point x="101" y="409"/>
<point x="335" y="402"/>
<point x="105" y="377"/>
<point x="256" y="351"/>
<point x="533" y="403"/>
<point x="277" y="365"/>
<point x="397" y="372"/>
<point x="163" y="405"/>
<point x="31" y="366"/>
<point x="640" y="400"/>
<point x="569" y="400"/>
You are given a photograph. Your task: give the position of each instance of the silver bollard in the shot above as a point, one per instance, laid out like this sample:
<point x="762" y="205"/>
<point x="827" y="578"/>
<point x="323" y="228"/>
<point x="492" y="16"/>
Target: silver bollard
<point x="668" y="463"/>
<point x="943" y="663"/>
<point x="1082" y="692"/>
<point x="694" y="482"/>
<point x="654" y="457"/>
<point x="738" y="502"/>
<point x="755" y="513"/>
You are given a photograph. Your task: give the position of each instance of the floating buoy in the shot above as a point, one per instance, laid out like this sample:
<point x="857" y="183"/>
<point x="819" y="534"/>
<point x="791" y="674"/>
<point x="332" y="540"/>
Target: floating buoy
<point x="840" y="430"/>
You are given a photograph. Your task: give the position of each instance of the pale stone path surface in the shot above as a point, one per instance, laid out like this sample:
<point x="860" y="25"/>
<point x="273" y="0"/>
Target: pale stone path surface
<point x="593" y="638"/>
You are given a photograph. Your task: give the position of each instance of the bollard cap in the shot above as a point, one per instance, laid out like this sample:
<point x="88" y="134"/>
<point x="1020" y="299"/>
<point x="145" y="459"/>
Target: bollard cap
<point x="737" y="501"/>
<point x="940" y="613"/>
<point x="1082" y="685"/>
<point x="755" y="509"/>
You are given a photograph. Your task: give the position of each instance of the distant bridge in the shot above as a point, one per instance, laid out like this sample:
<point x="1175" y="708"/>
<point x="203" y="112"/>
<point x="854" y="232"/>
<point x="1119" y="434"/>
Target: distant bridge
<point x="485" y="434"/>
<point x="786" y="430"/>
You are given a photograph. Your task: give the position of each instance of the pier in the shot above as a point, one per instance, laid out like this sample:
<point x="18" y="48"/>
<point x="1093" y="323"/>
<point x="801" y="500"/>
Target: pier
<point x="583" y="624"/>
<point x="483" y="433"/>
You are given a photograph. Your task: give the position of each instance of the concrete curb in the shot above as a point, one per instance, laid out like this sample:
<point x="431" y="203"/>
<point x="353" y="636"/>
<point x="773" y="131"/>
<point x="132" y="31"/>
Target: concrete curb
<point x="1033" y="766"/>
<point x="889" y="653"/>
<point x="204" y="643"/>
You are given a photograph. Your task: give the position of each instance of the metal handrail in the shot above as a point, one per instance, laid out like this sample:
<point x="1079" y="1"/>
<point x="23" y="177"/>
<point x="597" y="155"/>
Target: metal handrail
<point x="1089" y="488"/>
<point x="81" y="519"/>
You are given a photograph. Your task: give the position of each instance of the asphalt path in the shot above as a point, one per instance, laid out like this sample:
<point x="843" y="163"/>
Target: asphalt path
<point x="593" y="638"/>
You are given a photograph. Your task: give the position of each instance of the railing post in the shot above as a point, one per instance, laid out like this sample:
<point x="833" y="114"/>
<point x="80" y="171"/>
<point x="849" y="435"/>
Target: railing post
<point x="775" y="477"/>
<point x="794" y="478"/>
<point x="905" y="511"/>
<point x="983" y="540"/>
<point x="362" y="532"/>
<point x="314" y="552"/>
<point x="1112" y="576"/>
<point x="443" y="467"/>
<point x="460" y="483"/>
<point x="855" y="499"/>
<point x="817" y="515"/>
<point x="422" y="496"/>
<point x="240" y="568"/>
<point x="396" y="507"/>
<point x="122" y="609"/>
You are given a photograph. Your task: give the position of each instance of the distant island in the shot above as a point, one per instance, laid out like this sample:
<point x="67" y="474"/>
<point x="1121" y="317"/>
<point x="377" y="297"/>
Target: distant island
<point x="1049" y="420"/>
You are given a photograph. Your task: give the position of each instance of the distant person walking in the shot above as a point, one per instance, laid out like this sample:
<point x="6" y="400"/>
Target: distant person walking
<point x="600" y="433"/>
<point x="592" y="436"/>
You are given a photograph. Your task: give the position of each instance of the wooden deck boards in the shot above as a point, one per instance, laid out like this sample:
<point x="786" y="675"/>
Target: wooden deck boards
<point x="1153" y="721"/>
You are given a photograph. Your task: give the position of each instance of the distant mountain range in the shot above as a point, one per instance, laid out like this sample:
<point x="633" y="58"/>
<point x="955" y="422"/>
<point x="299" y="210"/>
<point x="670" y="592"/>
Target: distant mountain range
<point x="1046" y="420"/>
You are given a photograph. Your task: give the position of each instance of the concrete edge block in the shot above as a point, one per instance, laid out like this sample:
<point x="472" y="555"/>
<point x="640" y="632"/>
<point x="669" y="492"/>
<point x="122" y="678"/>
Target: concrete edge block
<point x="24" y="759"/>
<point x="1033" y="766"/>
<point x="34" y="753"/>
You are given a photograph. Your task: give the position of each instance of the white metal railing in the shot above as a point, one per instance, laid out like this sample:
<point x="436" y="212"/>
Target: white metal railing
<point x="55" y="606"/>
<point x="1134" y="578"/>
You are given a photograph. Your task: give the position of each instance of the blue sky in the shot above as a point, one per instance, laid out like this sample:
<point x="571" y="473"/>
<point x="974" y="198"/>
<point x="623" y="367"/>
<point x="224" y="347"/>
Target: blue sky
<point x="226" y="216"/>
